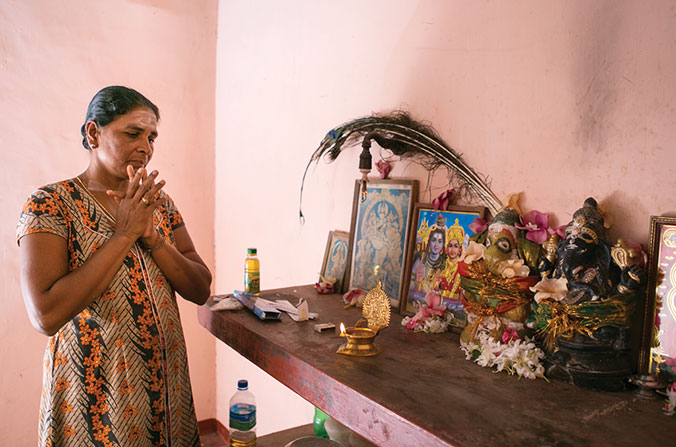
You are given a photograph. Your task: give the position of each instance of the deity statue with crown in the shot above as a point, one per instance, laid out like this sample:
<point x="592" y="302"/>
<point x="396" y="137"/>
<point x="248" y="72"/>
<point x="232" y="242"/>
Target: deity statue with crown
<point x="497" y="271"/>
<point x="585" y="302"/>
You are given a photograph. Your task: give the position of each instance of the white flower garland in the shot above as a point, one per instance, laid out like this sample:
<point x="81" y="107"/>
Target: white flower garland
<point x="516" y="357"/>
<point x="434" y="325"/>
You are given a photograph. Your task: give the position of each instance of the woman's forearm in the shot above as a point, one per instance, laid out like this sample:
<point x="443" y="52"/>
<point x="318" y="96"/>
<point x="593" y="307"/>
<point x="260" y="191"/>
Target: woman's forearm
<point x="186" y="273"/>
<point x="55" y="296"/>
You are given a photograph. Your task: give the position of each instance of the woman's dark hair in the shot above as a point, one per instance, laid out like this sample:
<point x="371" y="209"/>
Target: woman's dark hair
<point x="111" y="102"/>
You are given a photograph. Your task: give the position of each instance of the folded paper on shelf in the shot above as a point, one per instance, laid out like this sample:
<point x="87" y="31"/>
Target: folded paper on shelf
<point x="262" y="308"/>
<point x="225" y="302"/>
<point x="299" y="312"/>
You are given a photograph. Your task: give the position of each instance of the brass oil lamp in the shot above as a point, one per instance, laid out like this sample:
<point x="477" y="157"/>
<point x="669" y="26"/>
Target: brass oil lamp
<point x="376" y="313"/>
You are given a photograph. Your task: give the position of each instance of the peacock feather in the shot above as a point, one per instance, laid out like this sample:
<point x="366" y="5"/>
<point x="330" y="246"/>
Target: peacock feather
<point x="411" y="140"/>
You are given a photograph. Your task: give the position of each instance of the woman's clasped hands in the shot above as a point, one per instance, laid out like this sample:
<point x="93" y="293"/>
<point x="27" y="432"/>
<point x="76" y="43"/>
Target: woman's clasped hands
<point x="136" y="205"/>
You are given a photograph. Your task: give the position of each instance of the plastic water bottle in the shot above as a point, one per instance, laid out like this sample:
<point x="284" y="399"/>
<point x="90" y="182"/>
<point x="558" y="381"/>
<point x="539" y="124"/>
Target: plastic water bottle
<point x="242" y="416"/>
<point x="252" y="272"/>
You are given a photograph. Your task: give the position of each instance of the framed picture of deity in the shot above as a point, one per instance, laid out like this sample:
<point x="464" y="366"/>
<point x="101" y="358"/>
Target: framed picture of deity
<point x="437" y="240"/>
<point x="378" y="235"/>
<point x="658" y="350"/>
<point x="335" y="257"/>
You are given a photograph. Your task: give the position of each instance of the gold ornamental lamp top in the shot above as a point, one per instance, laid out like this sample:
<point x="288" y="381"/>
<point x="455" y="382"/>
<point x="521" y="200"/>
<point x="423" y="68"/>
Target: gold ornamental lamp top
<point x="376" y="308"/>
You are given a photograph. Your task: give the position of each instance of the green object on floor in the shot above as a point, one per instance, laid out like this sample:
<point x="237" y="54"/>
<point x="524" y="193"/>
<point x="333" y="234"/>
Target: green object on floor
<point x="318" y="423"/>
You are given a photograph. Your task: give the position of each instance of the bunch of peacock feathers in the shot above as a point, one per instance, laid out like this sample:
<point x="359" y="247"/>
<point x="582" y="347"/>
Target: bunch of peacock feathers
<point x="411" y="140"/>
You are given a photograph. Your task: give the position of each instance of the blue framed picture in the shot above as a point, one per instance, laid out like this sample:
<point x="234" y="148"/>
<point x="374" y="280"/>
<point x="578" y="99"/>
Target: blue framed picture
<point x="436" y="243"/>
<point x="335" y="257"/>
<point x="379" y="235"/>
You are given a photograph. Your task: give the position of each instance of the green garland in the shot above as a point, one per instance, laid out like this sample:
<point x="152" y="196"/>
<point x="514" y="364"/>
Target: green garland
<point x="553" y="320"/>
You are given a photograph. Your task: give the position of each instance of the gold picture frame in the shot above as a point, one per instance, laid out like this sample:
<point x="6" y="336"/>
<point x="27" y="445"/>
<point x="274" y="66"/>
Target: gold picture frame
<point x="658" y="347"/>
<point x="425" y="221"/>
<point x="378" y="235"/>
<point x="335" y="257"/>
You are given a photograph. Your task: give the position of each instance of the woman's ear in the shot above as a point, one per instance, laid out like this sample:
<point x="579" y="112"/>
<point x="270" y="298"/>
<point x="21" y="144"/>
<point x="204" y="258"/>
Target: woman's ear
<point x="92" y="133"/>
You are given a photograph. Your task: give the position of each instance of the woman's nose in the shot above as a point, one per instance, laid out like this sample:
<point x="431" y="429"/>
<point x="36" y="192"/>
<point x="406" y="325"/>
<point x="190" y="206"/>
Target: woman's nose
<point x="146" y="147"/>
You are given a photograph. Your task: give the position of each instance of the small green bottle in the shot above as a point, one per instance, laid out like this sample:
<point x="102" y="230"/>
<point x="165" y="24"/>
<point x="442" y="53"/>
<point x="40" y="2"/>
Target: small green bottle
<point x="318" y="423"/>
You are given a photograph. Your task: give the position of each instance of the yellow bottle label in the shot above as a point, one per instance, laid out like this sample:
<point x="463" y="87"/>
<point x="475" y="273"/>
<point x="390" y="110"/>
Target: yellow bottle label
<point x="252" y="276"/>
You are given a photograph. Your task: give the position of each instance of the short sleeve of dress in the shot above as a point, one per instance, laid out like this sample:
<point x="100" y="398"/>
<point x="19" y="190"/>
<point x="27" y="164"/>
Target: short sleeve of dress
<point x="175" y="218"/>
<point x="41" y="214"/>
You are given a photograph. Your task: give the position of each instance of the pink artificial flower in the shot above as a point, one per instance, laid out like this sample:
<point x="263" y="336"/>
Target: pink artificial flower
<point x="560" y="231"/>
<point x="444" y="199"/>
<point x="414" y="321"/>
<point x="435" y="303"/>
<point x="509" y="335"/>
<point x="354" y="297"/>
<point x="478" y="225"/>
<point x="535" y="223"/>
<point x="384" y="168"/>
<point x="324" y="288"/>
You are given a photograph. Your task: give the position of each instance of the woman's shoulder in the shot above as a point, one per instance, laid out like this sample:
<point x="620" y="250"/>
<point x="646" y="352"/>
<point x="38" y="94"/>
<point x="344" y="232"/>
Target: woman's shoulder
<point x="168" y="202"/>
<point x="57" y="187"/>
<point x="57" y="190"/>
<point x="169" y="209"/>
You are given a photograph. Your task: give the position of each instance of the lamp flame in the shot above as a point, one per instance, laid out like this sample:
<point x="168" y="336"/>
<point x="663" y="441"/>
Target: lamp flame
<point x="342" y="330"/>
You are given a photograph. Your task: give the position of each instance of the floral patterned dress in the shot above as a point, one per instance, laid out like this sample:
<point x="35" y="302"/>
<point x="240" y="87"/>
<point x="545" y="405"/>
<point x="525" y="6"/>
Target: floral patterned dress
<point x="117" y="374"/>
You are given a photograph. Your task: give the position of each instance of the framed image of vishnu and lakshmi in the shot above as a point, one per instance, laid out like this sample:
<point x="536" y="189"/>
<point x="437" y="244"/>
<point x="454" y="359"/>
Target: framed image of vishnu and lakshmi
<point x="379" y="235"/>
<point x="658" y="350"/>
<point x="436" y="242"/>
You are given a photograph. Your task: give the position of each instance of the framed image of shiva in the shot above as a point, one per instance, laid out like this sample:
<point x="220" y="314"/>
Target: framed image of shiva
<point x="378" y="235"/>
<point x="437" y="241"/>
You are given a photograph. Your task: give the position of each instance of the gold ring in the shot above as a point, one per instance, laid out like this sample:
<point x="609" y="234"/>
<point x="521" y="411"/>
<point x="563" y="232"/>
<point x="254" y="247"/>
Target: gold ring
<point x="144" y="200"/>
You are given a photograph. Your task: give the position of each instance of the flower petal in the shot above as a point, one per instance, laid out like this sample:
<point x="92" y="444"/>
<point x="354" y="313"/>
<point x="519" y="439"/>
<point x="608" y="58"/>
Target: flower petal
<point x="538" y="236"/>
<point x="478" y="225"/>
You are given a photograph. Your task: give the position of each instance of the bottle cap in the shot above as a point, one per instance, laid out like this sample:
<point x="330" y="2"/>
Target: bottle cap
<point x="243" y="384"/>
<point x="251" y="251"/>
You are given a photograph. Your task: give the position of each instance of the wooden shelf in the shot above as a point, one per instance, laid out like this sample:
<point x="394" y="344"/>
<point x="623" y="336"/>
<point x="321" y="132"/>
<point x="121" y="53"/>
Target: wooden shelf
<point x="421" y="391"/>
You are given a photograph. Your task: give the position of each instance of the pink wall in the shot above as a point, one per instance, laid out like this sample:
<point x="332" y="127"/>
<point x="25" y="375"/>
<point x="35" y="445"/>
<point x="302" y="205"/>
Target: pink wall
<point x="558" y="100"/>
<point x="53" y="57"/>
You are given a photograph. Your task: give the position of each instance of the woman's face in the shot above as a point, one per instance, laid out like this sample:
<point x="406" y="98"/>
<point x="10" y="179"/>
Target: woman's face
<point x="436" y="243"/>
<point x="126" y="141"/>
<point x="453" y="249"/>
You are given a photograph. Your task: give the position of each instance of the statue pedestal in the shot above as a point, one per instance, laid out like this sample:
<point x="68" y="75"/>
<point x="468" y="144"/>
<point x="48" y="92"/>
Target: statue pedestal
<point x="591" y="363"/>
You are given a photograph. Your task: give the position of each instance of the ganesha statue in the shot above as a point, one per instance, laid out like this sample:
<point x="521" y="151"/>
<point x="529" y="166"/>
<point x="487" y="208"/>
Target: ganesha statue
<point x="496" y="276"/>
<point x="585" y="302"/>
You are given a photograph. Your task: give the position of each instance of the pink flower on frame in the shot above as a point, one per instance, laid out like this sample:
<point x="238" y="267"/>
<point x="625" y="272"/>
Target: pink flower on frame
<point x="384" y="168"/>
<point x="444" y="199"/>
<point x="535" y="224"/>
<point x="478" y="225"/>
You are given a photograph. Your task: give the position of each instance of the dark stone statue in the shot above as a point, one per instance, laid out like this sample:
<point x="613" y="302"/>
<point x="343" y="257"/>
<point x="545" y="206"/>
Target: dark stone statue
<point x="584" y="256"/>
<point x="595" y="272"/>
